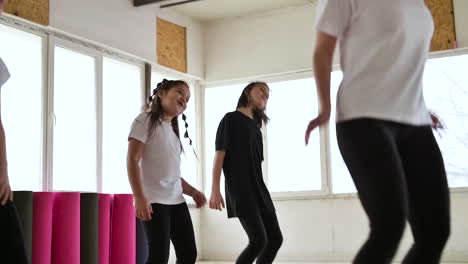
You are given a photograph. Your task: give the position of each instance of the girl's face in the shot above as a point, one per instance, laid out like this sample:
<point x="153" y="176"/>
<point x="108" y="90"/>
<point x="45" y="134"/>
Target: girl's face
<point x="259" y="96"/>
<point x="174" y="101"/>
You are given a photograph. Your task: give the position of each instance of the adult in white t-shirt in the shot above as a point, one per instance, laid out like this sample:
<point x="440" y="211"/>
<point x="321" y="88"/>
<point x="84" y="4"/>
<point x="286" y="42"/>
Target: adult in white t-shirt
<point x="154" y="172"/>
<point x="383" y="126"/>
<point x="12" y="248"/>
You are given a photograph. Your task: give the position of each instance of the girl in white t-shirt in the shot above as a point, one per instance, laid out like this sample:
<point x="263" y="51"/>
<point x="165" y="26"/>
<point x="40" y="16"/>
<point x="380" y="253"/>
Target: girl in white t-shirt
<point x="383" y="126"/>
<point x="153" y="164"/>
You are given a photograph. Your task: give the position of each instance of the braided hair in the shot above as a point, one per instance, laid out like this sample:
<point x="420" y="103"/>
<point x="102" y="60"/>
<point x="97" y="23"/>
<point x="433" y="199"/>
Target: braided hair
<point x="155" y="110"/>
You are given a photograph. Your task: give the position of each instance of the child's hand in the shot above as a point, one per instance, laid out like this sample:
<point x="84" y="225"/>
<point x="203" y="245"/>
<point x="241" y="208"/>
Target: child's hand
<point x="216" y="201"/>
<point x="143" y="209"/>
<point x="5" y="191"/>
<point x="437" y="124"/>
<point x="199" y="198"/>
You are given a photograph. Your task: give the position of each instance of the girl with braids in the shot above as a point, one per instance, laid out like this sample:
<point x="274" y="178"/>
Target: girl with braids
<point x="153" y="165"/>
<point x="239" y="153"/>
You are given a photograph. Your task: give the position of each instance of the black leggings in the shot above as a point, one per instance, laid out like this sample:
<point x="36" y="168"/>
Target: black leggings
<point x="12" y="248"/>
<point x="265" y="238"/>
<point x="399" y="173"/>
<point x="170" y="223"/>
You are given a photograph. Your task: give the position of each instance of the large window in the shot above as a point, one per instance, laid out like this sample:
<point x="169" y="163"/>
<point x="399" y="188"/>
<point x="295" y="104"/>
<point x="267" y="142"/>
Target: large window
<point x="291" y="165"/>
<point x="122" y="102"/>
<point x="21" y="103"/>
<point x="218" y="101"/>
<point x="446" y="93"/>
<point x="75" y="132"/>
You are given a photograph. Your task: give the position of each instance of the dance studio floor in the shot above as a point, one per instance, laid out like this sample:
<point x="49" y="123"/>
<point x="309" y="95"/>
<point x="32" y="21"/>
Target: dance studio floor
<point x="224" y="262"/>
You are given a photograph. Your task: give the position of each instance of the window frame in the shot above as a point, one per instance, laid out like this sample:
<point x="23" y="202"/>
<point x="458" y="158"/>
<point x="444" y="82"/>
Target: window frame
<point x="141" y="66"/>
<point x="65" y="44"/>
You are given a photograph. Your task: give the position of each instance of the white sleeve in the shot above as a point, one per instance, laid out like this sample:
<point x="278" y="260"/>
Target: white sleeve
<point x="333" y="16"/>
<point x="4" y="74"/>
<point x="139" y="130"/>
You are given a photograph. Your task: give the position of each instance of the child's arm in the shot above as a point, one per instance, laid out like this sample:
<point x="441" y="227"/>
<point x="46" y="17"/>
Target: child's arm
<point x="323" y="61"/>
<point x="198" y="197"/>
<point x="142" y="205"/>
<point x="216" y="199"/>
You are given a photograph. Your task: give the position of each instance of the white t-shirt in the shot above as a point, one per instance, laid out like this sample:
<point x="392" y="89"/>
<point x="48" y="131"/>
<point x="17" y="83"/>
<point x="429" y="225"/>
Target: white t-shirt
<point x="160" y="164"/>
<point x="4" y="74"/>
<point x="384" y="45"/>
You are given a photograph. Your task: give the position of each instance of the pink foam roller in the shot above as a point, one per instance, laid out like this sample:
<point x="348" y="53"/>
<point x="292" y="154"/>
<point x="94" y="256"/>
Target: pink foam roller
<point x="66" y="229"/>
<point x="104" y="233"/>
<point x="43" y="205"/>
<point x="123" y="236"/>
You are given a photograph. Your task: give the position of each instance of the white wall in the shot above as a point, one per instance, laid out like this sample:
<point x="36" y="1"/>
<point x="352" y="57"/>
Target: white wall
<point x="117" y="24"/>
<point x="321" y="230"/>
<point x="276" y="42"/>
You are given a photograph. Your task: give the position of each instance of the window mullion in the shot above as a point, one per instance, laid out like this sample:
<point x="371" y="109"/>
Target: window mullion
<point x="100" y="121"/>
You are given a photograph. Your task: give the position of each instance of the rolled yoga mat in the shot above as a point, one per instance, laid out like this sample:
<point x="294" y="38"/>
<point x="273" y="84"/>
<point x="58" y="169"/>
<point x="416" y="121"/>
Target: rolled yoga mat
<point x="104" y="231"/>
<point x="24" y="204"/>
<point x="43" y="205"/>
<point x="89" y="222"/>
<point x="66" y="228"/>
<point x="123" y="237"/>
<point x="141" y="243"/>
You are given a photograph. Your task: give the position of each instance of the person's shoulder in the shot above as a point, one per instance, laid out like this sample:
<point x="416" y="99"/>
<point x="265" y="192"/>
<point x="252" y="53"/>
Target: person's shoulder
<point x="4" y="73"/>
<point x="142" y="117"/>
<point x="230" y="114"/>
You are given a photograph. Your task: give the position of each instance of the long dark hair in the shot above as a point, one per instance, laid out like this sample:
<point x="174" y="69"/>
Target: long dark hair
<point x="259" y="116"/>
<point x="155" y="109"/>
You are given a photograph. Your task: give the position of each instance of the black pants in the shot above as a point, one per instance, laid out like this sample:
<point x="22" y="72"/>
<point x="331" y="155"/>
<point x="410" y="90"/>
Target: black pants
<point x="12" y="248"/>
<point x="265" y="238"/>
<point x="399" y="173"/>
<point x="170" y="223"/>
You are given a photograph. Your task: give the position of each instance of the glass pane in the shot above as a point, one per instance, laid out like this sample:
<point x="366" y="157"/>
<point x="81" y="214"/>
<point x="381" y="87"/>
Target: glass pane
<point x="218" y="101"/>
<point x="341" y="179"/>
<point x="21" y="103"/>
<point x="291" y="165"/>
<point x="122" y="101"/>
<point x="446" y="93"/>
<point x="75" y="129"/>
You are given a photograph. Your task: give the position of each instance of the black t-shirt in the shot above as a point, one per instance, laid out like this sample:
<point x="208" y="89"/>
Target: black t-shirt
<point x="241" y="139"/>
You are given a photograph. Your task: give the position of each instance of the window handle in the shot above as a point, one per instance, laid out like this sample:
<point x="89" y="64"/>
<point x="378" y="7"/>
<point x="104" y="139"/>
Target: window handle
<point x="54" y="118"/>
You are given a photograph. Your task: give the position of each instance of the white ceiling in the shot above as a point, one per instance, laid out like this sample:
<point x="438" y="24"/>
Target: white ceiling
<point x="207" y="10"/>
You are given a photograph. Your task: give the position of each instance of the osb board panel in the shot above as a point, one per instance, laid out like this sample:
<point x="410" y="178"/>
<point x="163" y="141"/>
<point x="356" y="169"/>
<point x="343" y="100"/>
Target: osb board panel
<point x="444" y="35"/>
<point x="33" y="10"/>
<point x="172" y="45"/>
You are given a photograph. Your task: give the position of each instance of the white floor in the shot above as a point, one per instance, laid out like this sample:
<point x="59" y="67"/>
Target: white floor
<point x="224" y="262"/>
<point x="208" y="262"/>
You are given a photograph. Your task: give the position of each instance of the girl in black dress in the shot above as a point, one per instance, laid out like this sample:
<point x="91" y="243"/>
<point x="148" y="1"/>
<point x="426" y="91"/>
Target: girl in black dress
<point x="239" y="153"/>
